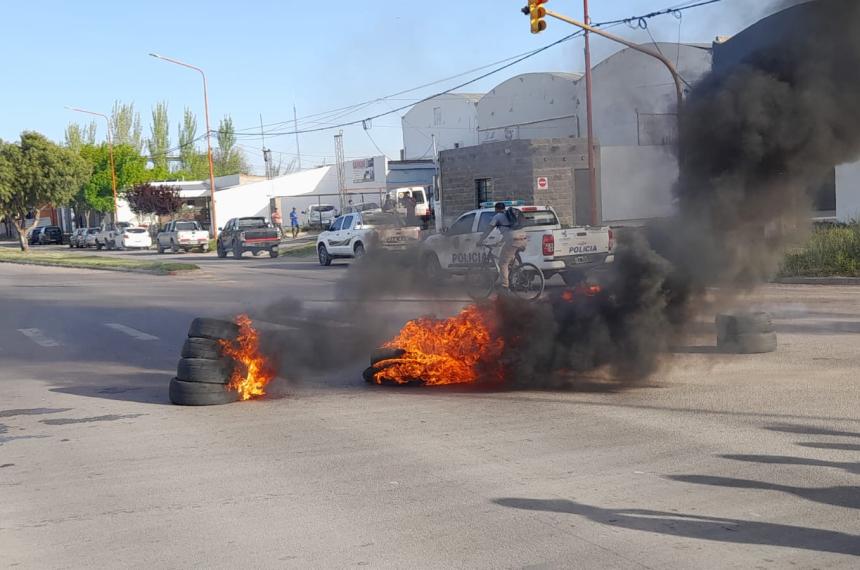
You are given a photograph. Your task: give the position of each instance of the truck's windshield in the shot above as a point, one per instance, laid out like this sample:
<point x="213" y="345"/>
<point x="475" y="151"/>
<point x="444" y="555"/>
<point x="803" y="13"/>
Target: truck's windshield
<point x="540" y="218"/>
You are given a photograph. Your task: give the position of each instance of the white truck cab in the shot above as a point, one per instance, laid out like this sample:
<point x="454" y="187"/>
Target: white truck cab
<point x="571" y="252"/>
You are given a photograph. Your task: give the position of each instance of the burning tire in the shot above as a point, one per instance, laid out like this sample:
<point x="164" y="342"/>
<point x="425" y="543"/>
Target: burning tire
<point x="385" y="354"/>
<point x="215" y="329"/>
<point x="204" y="370"/>
<point x="200" y="394"/>
<point x="201" y="348"/>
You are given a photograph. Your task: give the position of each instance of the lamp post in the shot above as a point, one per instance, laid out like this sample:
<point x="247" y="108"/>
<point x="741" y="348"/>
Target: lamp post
<point x="110" y="150"/>
<point x="212" y="217"/>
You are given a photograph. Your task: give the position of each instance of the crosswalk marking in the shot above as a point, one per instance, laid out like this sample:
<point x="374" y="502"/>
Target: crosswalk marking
<point x="134" y="333"/>
<point x="37" y="336"/>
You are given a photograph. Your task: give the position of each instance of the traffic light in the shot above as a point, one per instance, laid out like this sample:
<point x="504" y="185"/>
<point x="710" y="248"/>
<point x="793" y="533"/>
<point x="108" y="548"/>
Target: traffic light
<point x="537" y="13"/>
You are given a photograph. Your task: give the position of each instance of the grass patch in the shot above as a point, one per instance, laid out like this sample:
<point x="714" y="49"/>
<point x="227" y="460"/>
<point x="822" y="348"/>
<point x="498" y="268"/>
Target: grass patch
<point x="304" y="250"/>
<point x="94" y="262"/>
<point x="832" y="250"/>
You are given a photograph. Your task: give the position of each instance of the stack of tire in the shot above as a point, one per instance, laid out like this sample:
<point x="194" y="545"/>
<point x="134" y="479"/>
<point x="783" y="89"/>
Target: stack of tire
<point x="378" y="356"/>
<point x="203" y="371"/>
<point x="745" y="333"/>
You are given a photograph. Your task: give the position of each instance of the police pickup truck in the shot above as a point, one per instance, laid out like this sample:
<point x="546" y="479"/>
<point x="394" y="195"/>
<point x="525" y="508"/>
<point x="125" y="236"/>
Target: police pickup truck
<point x="571" y="252"/>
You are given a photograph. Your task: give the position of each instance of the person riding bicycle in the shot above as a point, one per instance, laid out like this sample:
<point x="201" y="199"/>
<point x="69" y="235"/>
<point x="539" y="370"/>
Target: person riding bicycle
<point x="509" y="250"/>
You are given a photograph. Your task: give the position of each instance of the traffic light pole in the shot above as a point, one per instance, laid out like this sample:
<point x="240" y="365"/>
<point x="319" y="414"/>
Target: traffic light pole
<point x="679" y="91"/>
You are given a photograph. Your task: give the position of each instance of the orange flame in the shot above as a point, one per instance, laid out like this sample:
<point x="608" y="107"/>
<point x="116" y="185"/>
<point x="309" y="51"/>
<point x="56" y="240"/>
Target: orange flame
<point x="457" y="350"/>
<point x="252" y="370"/>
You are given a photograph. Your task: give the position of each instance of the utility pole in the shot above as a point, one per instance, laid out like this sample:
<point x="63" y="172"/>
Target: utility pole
<point x="267" y="154"/>
<point x="341" y="169"/>
<point x="296" y="128"/>
<point x="592" y="174"/>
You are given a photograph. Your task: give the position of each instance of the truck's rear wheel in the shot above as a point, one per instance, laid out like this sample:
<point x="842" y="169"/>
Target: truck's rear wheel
<point x="273" y="253"/>
<point x="359" y="251"/>
<point x="237" y="251"/>
<point x="219" y="249"/>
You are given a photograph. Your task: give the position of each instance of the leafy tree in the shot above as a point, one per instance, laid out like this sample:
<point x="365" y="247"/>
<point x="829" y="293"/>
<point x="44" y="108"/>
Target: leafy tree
<point x="159" y="141"/>
<point x="125" y="126"/>
<point x="78" y="135"/>
<point x="97" y="192"/>
<point x="35" y="173"/>
<point x="194" y="163"/>
<point x="229" y="158"/>
<point x="154" y="200"/>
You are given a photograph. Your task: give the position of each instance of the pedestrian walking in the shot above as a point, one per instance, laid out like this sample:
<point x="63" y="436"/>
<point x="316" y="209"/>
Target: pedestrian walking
<point x="277" y="221"/>
<point x="294" y="222"/>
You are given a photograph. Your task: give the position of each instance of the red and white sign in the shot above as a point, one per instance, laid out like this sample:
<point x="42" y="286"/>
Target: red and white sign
<point x="542" y="182"/>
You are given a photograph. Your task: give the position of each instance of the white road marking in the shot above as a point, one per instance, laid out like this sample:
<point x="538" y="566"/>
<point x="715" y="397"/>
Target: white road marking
<point x="37" y="336"/>
<point x="134" y="333"/>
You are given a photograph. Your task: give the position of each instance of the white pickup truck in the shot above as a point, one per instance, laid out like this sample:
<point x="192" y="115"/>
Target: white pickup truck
<point x="571" y="252"/>
<point x="182" y="235"/>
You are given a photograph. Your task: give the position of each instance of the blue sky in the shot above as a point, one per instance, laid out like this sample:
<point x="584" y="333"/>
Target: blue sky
<point x="262" y="57"/>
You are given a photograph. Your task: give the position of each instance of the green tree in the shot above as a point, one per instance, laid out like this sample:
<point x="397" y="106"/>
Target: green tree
<point x="125" y="126"/>
<point x="229" y="158"/>
<point x="78" y="135"/>
<point x="97" y="192"/>
<point x="194" y="163"/>
<point x="35" y="173"/>
<point x="159" y="140"/>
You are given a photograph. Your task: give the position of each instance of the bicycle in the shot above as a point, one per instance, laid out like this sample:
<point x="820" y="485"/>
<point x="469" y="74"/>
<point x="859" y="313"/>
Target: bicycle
<point x="525" y="280"/>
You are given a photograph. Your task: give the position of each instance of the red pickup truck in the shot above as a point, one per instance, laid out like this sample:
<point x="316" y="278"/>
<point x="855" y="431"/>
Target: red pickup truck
<point x="248" y="234"/>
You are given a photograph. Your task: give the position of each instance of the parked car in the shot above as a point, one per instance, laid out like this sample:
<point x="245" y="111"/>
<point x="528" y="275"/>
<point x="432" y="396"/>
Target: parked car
<point x="133" y="238"/>
<point x="51" y="234"/>
<point x="248" y="234"/>
<point x="182" y="235"/>
<point x="77" y="239"/>
<point x="321" y="215"/>
<point x="364" y="207"/>
<point x="107" y="236"/>
<point x="91" y="236"/>
<point x="350" y="236"/>
<point x="34" y="236"/>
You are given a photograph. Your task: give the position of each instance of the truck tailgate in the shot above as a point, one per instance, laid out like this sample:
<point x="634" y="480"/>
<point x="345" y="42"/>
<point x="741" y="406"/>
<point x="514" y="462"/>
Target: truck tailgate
<point x="576" y="246"/>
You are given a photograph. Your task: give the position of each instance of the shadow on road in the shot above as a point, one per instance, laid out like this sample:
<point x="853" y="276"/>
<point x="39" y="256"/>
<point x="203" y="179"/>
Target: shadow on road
<point x="698" y="526"/>
<point x="140" y="387"/>
<point x="842" y="496"/>
<point x="810" y="430"/>
<point x="836" y="446"/>
<point x="850" y="467"/>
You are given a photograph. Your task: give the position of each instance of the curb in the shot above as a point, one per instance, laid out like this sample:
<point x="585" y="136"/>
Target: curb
<point x="817" y="281"/>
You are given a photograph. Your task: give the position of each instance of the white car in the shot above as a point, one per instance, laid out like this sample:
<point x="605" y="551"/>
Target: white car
<point x="91" y="236"/>
<point x="321" y="215"/>
<point x="133" y="238"/>
<point x="570" y="252"/>
<point x="350" y="236"/>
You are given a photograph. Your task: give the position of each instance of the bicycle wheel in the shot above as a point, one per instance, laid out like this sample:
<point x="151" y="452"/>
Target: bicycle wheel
<point x="480" y="282"/>
<point x="527" y="281"/>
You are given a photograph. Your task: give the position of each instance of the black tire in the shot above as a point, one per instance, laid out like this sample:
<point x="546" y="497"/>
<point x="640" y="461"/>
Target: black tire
<point x="199" y="394"/>
<point x="219" y="249"/>
<point x="237" y="251"/>
<point x="527" y="281"/>
<point x="216" y="329"/>
<point x="273" y="253"/>
<point x="480" y="282"/>
<point x="358" y="250"/>
<point x="749" y="343"/>
<point x="203" y="370"/>
<point x="99" y="246"/>
<point x="201" y="348"/>
<point x="160" y="249"/>
<point x="730" y="326"/>
<point x="573" y="278"/>
<point x="385" y="354"/>
<point x="324" y="257"/>
<point x="433" y="271"/>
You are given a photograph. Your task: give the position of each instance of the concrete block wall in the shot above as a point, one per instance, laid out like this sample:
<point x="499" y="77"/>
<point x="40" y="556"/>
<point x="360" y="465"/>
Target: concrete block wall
<point x="513" y="166"/>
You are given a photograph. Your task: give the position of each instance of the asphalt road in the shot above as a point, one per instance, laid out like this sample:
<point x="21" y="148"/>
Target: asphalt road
<point x="720" y="462"/>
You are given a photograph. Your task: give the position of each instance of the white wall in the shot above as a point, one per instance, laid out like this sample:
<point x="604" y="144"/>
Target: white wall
<point x="528" y="98"/>
<point x="629" y="81"/>
<point x="453" y="118"/>
<point x="848" y="192"/>
<point x="636" y="182"/>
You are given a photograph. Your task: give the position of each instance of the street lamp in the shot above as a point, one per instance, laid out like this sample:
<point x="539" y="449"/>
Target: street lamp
<point x="110" y="150"/>
<point x="208" y="138"/>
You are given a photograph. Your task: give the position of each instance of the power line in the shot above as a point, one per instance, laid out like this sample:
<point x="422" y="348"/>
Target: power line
<point x="640" y="19"/>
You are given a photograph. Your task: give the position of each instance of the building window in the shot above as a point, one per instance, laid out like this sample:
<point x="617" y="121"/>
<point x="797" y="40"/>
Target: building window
<point x="483" y="190"/>
<point x="437" y="116"/>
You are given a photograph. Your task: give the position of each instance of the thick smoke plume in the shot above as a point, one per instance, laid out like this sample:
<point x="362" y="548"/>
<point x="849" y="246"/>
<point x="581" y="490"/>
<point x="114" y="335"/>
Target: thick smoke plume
<point x="754" y="137"/>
